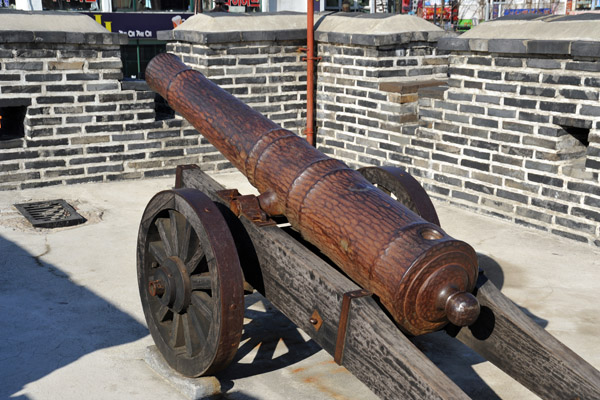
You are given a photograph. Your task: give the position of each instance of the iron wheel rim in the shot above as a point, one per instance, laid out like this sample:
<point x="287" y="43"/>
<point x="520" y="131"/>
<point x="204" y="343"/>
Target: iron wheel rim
<point x="190" y="282"/>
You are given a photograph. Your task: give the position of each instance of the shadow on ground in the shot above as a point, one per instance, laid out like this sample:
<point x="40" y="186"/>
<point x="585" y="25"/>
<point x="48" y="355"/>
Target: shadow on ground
<point x="270" y="341"/>
<point x="48" y="321"/>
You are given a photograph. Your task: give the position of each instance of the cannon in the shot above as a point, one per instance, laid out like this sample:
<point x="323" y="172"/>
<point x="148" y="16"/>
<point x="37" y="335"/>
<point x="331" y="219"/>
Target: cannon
<point x="357" y="259"/>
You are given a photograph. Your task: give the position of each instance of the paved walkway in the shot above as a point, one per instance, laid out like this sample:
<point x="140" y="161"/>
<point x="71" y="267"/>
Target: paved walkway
<point x="73" y="326"/>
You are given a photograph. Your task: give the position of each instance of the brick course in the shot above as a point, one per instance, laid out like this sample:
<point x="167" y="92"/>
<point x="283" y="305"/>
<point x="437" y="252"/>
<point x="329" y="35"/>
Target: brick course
<point x="514" y="133"/>
<point x="540" y="127"/>
<point x="366" y="95"/>
<point x="75" y="101"/>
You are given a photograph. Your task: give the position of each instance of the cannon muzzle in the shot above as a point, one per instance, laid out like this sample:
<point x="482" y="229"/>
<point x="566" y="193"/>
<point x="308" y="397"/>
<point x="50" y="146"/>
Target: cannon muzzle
<point x="422" y="276"/>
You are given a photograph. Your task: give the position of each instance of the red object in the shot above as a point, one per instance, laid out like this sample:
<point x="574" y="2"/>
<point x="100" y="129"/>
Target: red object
<point x="429" y="13"/>
<point x="247" y="3"/>
<point x="310" y="67"/>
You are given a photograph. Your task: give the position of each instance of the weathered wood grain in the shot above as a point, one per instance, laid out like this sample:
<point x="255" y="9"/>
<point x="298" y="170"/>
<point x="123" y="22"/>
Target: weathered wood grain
<point x="298" y="282"/>
<point x="508" y="338"/>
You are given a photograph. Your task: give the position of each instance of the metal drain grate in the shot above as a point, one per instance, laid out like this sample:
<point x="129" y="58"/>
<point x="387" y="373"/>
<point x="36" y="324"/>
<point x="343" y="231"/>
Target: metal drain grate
<point x="50" y="214"/>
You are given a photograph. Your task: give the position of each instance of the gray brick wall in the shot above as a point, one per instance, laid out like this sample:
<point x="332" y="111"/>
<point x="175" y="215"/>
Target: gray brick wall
<point x="516" y="136"/>
<point x="366" y="97"/>
<point x="267" y="75"/>
<point x="515" y="133"/>
<point x="82" y="122"/>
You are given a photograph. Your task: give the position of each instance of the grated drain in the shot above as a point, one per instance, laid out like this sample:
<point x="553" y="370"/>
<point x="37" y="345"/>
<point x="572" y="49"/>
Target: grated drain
<point x="50" y="214"/>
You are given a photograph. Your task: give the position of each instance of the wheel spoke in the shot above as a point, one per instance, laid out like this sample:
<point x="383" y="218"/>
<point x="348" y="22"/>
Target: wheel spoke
<point x="158" y="251"/>
<point x="202" y="281"/>
<point x="203" y="304"/>
<point x="180" y="234"/>
<point x="202" y="322"/>
<point x="177" y="338"/>
<point x="202" y="328"/>
<point x="173" y="224"/>
<point x="193" y="263"/>
<point x="185" y="241"/>
<point x="164" y="230"/>
<point x="193" y="340"/>
<point x="163" y="313"/>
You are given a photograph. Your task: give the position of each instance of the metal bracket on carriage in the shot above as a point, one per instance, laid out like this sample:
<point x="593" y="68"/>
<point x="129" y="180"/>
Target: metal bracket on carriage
<point x="246" y="205"/>
<point x="343" y="325"/>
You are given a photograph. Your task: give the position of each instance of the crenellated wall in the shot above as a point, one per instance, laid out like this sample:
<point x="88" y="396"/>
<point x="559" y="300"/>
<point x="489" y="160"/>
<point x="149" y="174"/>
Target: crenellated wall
<point x="67" y="115"/>
<point x="503" y="120"/>
<point x="367" y="83"/>
<point x="516" y="133"/>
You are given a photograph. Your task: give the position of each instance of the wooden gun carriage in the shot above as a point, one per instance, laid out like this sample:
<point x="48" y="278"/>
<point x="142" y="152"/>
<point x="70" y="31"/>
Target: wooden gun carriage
<point x="356" y="259"/>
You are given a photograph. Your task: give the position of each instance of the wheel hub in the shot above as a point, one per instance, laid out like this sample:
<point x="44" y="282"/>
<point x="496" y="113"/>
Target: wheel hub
<point x="171" y="284"/>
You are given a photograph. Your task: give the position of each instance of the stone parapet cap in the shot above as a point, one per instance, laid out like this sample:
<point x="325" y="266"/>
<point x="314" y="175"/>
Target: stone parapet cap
<point x="522" y="47"/>
<point x="107" y="38"/>
<point x="375" y="29"/>
<point x="54" y="27"/>
<point x="208" y="28"/>
<point x="341" y="28"/>
<point x="551" y="35"/>
<point x="229" y="37"/>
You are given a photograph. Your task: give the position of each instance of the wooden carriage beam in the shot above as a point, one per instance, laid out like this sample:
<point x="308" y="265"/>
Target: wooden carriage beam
<point x="509" y="339"/>
<point x="309" y="291"/>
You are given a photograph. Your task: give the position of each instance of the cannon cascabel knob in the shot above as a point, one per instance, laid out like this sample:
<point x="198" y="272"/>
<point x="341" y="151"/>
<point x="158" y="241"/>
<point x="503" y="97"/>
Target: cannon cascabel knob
<point x="462" y="308"/>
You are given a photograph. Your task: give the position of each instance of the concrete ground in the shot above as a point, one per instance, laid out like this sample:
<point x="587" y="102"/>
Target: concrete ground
<point x="73" y="326"/>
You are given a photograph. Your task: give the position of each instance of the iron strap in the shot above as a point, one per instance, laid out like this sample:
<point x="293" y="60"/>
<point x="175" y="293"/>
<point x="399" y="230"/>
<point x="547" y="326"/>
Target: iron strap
<point x="343" y="325"/>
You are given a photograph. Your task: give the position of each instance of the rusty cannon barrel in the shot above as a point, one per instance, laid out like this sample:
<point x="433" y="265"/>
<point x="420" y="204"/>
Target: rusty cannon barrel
<point x="422" y="276"/>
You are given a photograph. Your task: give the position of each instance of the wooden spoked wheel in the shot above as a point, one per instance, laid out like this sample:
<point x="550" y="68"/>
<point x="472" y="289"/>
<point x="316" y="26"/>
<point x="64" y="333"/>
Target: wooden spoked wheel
<point x="404" y="188"/>
<point x="190" y="281"/>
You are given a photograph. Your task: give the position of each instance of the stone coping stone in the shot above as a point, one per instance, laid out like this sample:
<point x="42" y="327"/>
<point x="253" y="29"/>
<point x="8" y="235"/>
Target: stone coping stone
<point x="342" y="28"/>
<point x="409" y="86"/>
<point x="567" y="35"/>
<point x="375" y="29"/>
<point x="208" y="28"/>
<point x="54" y="27"/>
